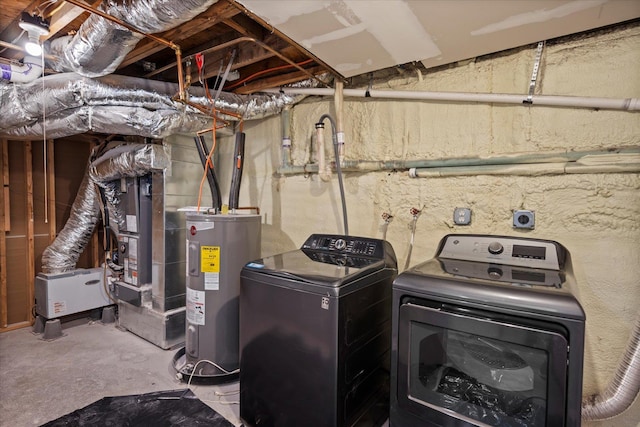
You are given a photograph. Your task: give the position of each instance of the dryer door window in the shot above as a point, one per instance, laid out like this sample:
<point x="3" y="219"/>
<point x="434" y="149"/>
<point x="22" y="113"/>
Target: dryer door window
<point x="458" y="369"/>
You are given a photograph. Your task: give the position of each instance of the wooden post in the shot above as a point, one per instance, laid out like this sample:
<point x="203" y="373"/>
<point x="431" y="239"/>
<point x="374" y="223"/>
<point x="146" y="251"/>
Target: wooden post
<point x="51" y="190"/>
<point x="5" y="185"/>
<point x="31" y="263"/>
<point x="4" y="202"/>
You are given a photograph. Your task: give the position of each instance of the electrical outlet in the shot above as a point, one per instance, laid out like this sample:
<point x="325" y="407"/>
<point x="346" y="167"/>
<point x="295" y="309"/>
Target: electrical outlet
<point x="524" y="219"/>
<point x="462" y="216"/>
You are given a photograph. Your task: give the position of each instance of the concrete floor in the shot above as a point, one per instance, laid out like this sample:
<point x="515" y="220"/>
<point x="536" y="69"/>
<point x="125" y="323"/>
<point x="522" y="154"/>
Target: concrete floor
<point x="41" y="381"/>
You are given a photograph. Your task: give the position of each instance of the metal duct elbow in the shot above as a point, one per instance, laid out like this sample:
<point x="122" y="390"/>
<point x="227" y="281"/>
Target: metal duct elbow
<point x="623" y="389"/>
<point x="100" y="45"/>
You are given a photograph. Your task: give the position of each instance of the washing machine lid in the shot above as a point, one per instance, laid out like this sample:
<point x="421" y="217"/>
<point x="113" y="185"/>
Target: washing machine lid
<point x="316" y="267"/>
<point x="329" y="261"/>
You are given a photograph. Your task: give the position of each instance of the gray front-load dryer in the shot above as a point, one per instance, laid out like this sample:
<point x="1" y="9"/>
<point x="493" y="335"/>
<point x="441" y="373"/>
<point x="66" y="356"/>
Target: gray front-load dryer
<point x="489" y="333"/>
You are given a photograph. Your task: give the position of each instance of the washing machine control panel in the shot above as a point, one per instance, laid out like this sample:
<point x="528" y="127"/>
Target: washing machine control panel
<point x="347" y="245"/>
<point x="522" y="252"/>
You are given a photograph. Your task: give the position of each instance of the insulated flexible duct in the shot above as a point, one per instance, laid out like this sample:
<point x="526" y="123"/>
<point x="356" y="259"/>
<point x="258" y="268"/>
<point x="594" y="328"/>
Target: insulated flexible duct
<point x="127" y="161"/>
<point x="116" y="105"/>
<point x="62" y="255"/>
<point x="100" y="45"/>
<point x="623" y="389"/>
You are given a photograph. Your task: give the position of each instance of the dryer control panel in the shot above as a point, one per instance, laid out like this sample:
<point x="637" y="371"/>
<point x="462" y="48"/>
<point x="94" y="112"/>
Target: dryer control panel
<point x="522" y="252"/>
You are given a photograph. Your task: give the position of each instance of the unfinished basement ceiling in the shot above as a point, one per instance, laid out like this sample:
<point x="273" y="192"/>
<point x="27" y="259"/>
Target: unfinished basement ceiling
<point x="271" y="43"/>
<point x="356" y="36"/>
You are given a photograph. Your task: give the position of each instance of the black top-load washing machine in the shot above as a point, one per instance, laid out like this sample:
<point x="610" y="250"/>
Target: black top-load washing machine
<point x="315" y="334"/>
<point x="487" y="333"/>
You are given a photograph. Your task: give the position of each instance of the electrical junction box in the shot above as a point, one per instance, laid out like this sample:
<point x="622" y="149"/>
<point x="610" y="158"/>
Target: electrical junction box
<point x="524" y="219"/>
<point x="462" y="216"/>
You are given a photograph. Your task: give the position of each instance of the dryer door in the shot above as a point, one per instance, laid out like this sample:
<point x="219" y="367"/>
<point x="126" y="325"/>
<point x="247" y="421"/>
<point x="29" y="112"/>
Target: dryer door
<point x="460" y="367"/>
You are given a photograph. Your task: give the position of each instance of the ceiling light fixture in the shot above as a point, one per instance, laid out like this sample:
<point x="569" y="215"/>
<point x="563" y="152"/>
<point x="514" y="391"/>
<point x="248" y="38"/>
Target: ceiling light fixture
<point x="36" y="27"/>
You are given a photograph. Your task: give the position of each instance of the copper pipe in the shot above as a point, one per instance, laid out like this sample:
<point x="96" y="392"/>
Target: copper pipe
<point x="239" y="40"/>
<point x="183" y="92"/>
<point x="209" y="50"/>
<point x="256" y="208"/>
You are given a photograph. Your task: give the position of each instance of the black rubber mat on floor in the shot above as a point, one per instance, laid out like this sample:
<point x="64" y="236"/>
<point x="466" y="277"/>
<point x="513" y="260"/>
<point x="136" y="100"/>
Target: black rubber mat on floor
<point x="162" y="408"/>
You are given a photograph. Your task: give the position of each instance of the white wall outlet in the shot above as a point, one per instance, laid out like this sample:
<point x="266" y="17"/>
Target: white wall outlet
<point x="524" y="219"/>
<point x="462" y="216"/>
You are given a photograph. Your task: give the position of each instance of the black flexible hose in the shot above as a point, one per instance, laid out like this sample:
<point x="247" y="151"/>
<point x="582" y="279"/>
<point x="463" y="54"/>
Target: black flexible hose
<point x="336" y="154"/>
<point x="203" y="152"/>
<point x="238" y="164"/>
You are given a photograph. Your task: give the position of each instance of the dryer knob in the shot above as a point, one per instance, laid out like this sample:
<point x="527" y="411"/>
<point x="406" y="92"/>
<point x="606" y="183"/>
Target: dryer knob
<point x="340" y="244"/>
<point x="494" y="273"/>
<point x="495" y="248"/>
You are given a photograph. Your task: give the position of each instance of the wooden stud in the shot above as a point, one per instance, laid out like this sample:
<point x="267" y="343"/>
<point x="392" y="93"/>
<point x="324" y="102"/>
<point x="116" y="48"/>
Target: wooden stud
<point x="31" y="263"/>
<point x="5" y="184"/>
<point x="14" y="326"/>
<point x="95" y="253"/>
<point x="51" y="190"/>
<point x="4" y="201"/>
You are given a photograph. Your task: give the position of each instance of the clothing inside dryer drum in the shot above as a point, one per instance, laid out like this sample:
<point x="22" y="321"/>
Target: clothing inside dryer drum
<point x="495" y="382"/>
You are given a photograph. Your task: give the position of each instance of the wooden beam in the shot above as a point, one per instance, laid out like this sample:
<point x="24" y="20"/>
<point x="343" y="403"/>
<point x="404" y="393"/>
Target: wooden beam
<point x="217" y="13"/>
<point x="279" y="80"/>
<point x="51" y="190"/>
<point x="4" y="201"/>
<point x="246" y="26"/>
<point x="95" y="253"/>
<point x="30" y="260"/>
<point x="6" y="207"/>
<point x="272" y="30"/>
<point x="15" y="326"/>
<point x="246" y="56"/>
<point x="64" y="15"/>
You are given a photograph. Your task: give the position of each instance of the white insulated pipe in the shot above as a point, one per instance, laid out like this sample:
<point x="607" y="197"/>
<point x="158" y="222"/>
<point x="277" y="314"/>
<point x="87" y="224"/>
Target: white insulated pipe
<point x="338" y="103"/>
<point x="30" y="70"/>
<point x="625" y="104"/>
<point x="324" y="168"/>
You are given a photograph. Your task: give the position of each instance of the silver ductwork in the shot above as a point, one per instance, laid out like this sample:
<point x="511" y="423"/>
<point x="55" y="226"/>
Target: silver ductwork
<point x="100" y="45"/>
<point x="124" y="161"/>
<point x="623" y="389"/>
<point x="73" y="104"/>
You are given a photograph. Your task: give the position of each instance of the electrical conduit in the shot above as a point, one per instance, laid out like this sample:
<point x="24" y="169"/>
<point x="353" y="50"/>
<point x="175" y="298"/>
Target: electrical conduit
<point x="338" y="169"/>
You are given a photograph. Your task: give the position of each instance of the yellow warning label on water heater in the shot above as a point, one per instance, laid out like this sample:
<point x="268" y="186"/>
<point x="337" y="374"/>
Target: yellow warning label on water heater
<point x="210" y="259"/>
